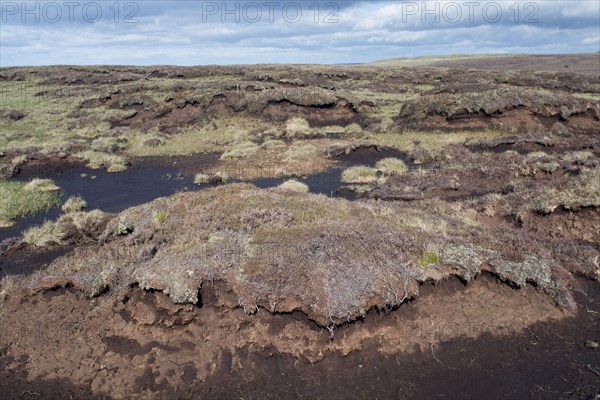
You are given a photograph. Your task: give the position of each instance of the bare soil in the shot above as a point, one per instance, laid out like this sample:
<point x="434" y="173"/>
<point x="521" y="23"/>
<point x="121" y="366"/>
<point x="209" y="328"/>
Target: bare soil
<point x="468" y="337"/>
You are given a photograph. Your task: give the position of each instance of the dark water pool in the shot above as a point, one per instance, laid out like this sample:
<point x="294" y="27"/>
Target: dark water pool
<point x="146" y="181"/>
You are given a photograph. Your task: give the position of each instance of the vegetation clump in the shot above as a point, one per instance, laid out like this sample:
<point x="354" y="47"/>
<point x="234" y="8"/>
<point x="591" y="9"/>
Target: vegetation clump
<point x="98" y="159"/>
<point x="18" y="199"/>
<point x="41" y="185"/>
<point x="293" y="185"/>
<point x="239" y="150"/>
<point x="359" y="174"/>
<point x="391" y="166"/>
<point x="45" y="235"/>
<point x="427" y="259"/>
<point x="74" y="204"/>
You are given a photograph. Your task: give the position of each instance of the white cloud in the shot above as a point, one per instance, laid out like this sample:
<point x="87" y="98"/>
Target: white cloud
<point x="176" y="34"/>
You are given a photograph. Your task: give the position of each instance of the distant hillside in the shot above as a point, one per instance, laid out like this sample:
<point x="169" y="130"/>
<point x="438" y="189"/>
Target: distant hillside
<point x="579" y="63"/>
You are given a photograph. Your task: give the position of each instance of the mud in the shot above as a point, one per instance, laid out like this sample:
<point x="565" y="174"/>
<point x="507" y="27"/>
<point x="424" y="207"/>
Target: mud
<point x="466" y="336"/>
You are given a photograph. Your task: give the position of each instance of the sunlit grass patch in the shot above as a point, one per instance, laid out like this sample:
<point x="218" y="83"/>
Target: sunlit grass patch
<point x="391" y="166"/>
<point x="74" y="204"/>
<point x="41" y="185"/>
<point x="293" y="185"/>
<point x="359" y="174"/>
<point x="17" y="202"/>
<point x="98" y="159"/>
<point x="47" y="234"/>
<point x="239" y="150"/>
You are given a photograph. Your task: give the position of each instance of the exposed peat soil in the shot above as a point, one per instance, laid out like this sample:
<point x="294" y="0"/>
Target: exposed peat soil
<point x="482" y="340"/>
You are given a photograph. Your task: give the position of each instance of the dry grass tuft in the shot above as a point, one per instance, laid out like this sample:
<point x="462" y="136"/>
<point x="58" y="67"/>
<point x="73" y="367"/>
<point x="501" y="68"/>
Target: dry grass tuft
<point x="41" y="185"/>
<point x="45" y="235"/>
<point x="297" y="127"/>
<point x="240" y="150"/>
<point x="391" y="166"/>
<point x="98" y="159"/>
<point x="359" y="174"/>
<point x="74" y="204"/>
<point x="293" y="185"/>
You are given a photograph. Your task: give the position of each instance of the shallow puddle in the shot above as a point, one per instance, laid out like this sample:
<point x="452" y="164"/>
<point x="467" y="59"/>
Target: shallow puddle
<point x="149" y="180"/>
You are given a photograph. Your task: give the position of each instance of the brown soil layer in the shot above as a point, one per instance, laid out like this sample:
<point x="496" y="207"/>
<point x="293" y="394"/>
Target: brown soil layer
<point x="477" y="339"/>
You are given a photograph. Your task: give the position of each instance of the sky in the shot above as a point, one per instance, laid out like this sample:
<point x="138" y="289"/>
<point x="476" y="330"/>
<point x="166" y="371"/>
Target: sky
<point x="250" y="32"/>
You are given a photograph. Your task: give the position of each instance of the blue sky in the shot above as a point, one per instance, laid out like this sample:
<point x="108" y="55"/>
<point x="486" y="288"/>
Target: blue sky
<point x="240" y="32"/>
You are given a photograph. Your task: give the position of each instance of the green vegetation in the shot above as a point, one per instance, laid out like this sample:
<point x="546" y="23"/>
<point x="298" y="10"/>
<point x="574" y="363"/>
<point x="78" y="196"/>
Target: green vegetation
<point x="273" y="144"/>
<point x="160" y="217"/>
<point x="87" y="222"/>
<point x="98" y="159"/>
<point x="18" y="199"/>
<point x="297" y="127"/>
<point x="239" y="150"/>
<point x="299" y="151"/>
<point x="391" y="166"/>
<point x="432" y="141"/>
<point x="359" y="174"/>
<point x="428" y="258"/>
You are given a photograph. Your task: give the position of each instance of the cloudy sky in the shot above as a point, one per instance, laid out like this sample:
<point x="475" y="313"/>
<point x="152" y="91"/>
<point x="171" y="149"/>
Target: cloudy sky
<point x="240" y="32"/>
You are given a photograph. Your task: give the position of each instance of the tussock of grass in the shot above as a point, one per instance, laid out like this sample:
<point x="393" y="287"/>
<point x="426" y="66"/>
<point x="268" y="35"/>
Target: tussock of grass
<point x="272" y="144"/>
<point x="87" y="222"/>
<point x="108" y="144"/>
<point x="160" y="217"/>
<point x="577" y="156"/>
<point x="391" y="166"/>
<point x="299" y="152"/>
<point x="7" y="285"/>
<point x="45" y="235"/>
<point x="97" y="159"/>
<point x="41" y="185"/>
<point x="293" y="185"/>
<point x="534" y="155"/>
<point x="202" y="178"/>
<point x="240" y="150"/>
<point x="359" y="174"/>
<point x="222" y="176"/>
<point x="295" y="127"/>
<point x="16" y="202"/>
<point x="74" y="204"/>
